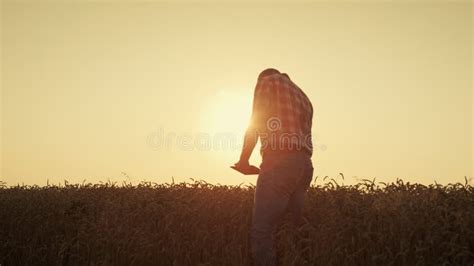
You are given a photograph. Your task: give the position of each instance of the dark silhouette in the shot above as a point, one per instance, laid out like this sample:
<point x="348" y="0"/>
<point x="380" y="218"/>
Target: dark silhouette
<point x="281" y="117"/>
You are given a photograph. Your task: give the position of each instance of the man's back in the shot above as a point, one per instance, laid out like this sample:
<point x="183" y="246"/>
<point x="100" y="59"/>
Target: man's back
<point x="282" y="115"/>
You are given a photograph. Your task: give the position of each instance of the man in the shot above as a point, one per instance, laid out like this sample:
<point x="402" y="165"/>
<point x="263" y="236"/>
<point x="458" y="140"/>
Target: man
<point x="281" y="117"/>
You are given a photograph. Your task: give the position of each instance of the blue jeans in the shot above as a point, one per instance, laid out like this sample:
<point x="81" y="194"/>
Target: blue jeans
<point x="281" y="186"/>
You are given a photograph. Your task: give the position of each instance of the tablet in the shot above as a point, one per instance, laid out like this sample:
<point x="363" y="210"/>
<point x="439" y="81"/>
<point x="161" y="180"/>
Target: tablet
<point x="250" y="170"/>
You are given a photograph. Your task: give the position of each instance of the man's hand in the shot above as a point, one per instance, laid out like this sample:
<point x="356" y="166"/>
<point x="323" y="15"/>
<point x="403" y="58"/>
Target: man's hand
<point x="242" y="164"/>
<point x="245" y="168"/>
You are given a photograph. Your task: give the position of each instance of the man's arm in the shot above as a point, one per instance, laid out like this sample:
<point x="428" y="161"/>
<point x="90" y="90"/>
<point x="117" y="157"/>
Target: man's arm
<point x="250" y="140"/>
<point x="260" y="105"/>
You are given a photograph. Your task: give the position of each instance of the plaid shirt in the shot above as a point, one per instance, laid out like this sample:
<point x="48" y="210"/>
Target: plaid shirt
<point x="282" y="115"/>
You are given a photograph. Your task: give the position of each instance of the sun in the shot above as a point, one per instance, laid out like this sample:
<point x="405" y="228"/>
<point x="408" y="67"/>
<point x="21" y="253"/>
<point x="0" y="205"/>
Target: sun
<point x="228" y="112"/>
<point x="225" y="118"/>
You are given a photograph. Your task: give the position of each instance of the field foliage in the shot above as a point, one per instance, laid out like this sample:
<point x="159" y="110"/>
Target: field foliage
<point x="201" y="224"/>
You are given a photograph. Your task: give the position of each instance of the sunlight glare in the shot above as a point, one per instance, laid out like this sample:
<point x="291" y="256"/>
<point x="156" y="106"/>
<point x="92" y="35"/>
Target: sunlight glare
<point x="229" y="112"/>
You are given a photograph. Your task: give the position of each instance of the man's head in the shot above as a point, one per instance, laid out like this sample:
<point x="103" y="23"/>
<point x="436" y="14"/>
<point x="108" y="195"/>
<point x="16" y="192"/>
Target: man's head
<point x="268" y="72"/>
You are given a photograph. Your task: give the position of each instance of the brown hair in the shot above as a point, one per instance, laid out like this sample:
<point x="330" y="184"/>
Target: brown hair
<point x="268" y="72"/>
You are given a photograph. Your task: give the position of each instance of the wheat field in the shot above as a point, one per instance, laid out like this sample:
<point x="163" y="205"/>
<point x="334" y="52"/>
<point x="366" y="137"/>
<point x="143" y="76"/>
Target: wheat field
<point x="198" y="223"/>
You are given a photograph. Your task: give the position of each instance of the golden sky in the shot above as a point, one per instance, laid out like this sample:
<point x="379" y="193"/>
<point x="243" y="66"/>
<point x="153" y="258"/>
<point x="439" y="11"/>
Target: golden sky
<point x="96" y="88"/>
